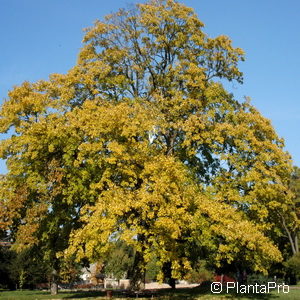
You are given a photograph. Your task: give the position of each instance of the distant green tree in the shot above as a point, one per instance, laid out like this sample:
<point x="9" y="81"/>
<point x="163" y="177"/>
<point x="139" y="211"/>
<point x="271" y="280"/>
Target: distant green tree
<point x="27" y="269"/>
<point x="6" y="257"/>
<point x="293" y="268"/>
<point x="291" y="221"/>
<point x="119" y="262"/>
<point x="200" y="272"/>
<point x="152" y="269"/>
<point x="288" y="240"/>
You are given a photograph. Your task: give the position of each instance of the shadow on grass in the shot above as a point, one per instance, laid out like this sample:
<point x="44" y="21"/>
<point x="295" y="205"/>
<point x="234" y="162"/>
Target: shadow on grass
<point x="84" y="294"/>
<point x="178" y="294"/>
<point x="160" y="294"/>
<point x="205" y="292"/>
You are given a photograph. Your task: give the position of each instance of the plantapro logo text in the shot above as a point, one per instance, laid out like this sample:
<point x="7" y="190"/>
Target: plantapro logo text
<point x="217" y="288"/>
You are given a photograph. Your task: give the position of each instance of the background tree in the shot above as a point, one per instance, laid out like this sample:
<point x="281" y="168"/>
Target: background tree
<point x="6" y="281"/>
<point x="152" y="270"/>
<point x="292" y="269"/>
<point x="27" y="269"/>
<point x="119" y="262"/>
<point x="201" y="272"/>
<point x="140" y="143"/>
<point x="289" y="240"/>
<point x="290" y="222"/>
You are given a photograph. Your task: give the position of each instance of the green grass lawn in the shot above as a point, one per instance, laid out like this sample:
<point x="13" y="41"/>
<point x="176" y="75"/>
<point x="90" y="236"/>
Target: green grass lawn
<point x="191" y="294"/>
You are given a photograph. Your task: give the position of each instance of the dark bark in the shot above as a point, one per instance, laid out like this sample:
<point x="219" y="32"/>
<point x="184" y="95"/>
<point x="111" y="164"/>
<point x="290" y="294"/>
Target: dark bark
<point x="137" y="273"/>
<point x="167" y="270"/>
<point x="172" y="283"/>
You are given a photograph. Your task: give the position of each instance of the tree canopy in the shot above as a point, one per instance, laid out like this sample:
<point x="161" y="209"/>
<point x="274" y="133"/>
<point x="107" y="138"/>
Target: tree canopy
<point x="140" y="142"/>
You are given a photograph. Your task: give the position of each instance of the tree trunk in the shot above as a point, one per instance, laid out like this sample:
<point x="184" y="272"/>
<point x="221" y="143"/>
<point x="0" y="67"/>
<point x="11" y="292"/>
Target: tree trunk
<point x="172" y="283"/>
<point x="167" y="270"/>
<point x="292" y="236"/>
<point x="137" y="272"/>
<point x="54" y="286"/>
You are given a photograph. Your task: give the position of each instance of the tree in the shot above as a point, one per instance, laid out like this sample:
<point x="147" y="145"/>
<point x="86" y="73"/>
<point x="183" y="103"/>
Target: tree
<point x="5" y="258"/>
<point x="290" y="222"/>
<point x="289" y="240"/>
<point x="119" y="261"/>
<point x="200" y="273"/>
<point x="140" y="142"/>
<point x="27" y="268"/>
<point x="292" y="266"/>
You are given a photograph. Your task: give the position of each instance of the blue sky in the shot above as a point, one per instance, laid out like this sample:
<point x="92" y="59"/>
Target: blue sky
<point x="40" y="37"/>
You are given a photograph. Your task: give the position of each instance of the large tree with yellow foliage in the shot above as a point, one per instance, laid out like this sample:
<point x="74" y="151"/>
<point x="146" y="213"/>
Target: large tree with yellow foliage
<point x="140" y="142"/>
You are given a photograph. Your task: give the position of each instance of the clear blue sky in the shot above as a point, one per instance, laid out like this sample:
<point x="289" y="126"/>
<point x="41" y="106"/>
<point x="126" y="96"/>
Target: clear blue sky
<point x="40" y="37"/>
